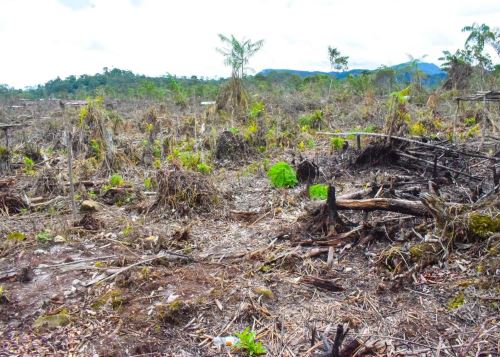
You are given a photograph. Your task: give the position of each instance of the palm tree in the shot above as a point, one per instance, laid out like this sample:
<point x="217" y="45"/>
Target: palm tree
<point x="458" y="65"/>
<point x="479" y="36"/>
<point x="238" y="53"/>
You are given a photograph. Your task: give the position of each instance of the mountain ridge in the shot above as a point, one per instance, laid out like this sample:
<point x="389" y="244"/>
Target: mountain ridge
<point x="403" y="71"/>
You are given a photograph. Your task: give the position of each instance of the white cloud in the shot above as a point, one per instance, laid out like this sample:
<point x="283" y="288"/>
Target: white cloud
<point x="41" y="40"/>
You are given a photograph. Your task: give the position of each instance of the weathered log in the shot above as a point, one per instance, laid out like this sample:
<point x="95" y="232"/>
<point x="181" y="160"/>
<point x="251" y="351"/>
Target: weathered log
<point x="415" y="208"/>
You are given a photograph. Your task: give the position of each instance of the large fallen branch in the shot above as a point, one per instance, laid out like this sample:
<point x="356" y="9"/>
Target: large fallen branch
<point x="415" y="208"/>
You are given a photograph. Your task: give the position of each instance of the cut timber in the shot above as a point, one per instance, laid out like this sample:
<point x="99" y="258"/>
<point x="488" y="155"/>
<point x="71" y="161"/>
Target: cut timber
<point x="415" y="208"/>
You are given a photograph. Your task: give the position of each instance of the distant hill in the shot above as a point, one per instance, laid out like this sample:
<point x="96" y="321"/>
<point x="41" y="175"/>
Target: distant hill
<point x="433" y="74"/>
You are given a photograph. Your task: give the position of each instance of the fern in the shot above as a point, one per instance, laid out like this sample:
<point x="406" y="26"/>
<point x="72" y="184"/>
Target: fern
<point x="318" y="192"/>
<point x="282" y="174"/>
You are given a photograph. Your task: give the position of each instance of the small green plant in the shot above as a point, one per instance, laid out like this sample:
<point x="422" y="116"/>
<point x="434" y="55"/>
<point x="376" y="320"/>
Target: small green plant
<point x="157" y="164"/>
<point x="96" y="148"/>
<point x="116" y="180"/>
<point x="470" y="121"/>
<point x="92" y="194"/>
<point x="235" y="131"/>
<point x="18" y="236"/>
<point x="4" y="298"/>
<point x="29" y="165"/>
<point x="127" y="230"/>
<point x="148" y="183"/>
<point x="247" y="342"/>
<point x="456" y="301"/>
<point x="282" y="175"/>
<point x="318" y="192"/>
<point x="473" y="131"/>
<point x="204" y="168"/>
<point x="370" y="128"/>
<point x="256" y="110"/>
<point x="250" y="129"/>
<point x="312" y="120"/>
<point x="418" y="129"/>
<point x="44" y="236"/>
<point x="337" y="143"/>
<point x="4" y="154"/>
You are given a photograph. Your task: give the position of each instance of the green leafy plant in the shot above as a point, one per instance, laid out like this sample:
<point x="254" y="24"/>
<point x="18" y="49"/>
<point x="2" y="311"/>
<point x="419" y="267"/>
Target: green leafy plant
<point x="29" y="165"/>
<point x="96" y="148"/>
<point x="256" y="110"/>
<point x="148" y="183"/>
<point x="418" y="129"/>
<point x="18" y="236"/>
<point x="318" y="192"/>
<point x="282" y="175"/>
<point x="234" y="130"/>
<point x="44" y="236"/>
<point x="312" y="120"/>
<point x="247" y="342"/>
<point x="204" y="168"/>
<point x="337" y="143"/>
<point x="116" y="180"/>
<point x="370" y="128"/>
<point x="470" y="121"/>
<point x="4" y="298"/>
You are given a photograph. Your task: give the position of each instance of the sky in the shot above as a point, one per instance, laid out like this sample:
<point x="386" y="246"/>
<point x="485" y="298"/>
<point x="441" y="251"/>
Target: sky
<point x="43" y="39"/>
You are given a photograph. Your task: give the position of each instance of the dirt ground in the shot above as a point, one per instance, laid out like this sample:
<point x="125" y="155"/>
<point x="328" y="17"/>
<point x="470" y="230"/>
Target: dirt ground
<point x="156" y="283"/>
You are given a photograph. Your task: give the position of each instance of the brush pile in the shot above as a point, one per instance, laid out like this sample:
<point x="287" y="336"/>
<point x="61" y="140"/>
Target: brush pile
<point x="184" y="191"/>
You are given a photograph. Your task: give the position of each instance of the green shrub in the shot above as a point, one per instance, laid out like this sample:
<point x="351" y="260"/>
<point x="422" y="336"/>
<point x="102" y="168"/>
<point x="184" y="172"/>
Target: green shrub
<point x="19" y="236"/>
<point x="370" y="128"/>
<point x="96" y="149"/>
<point x="256" y="110"/>
<point x="418" y="129"/>
<point x="44" y="236"/>
<point x="282" y="175"/>
<point x="29" y="165"/>
<point x="204" y="168"/>
<point x="337" y="143"/>
<point x="312" y="120"/>
<point x="148" y="183"/>
<point x="116" y="180"/>
<point x="189" y="159"/>
<point x="318" y="192"/>
<point x="470" y="121"/>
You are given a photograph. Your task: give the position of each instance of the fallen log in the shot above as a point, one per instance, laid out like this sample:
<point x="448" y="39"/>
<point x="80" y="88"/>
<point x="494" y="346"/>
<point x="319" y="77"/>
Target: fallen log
<point x="415" y="208"/>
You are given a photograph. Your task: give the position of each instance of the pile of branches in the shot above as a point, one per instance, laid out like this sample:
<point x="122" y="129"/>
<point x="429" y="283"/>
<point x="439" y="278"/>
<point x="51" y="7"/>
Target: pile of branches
<point x="184" y="191"/>
<point x="49" y="183"/>
<point x="231" y="147"/>
<point x="10" y="203"/>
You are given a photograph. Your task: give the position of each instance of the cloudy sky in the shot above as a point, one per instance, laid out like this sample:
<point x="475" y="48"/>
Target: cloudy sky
<point x="43" y="39"/>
